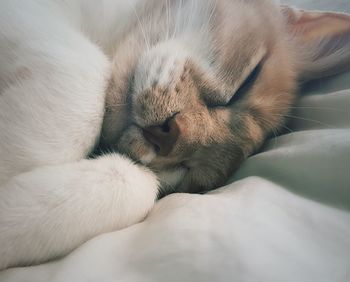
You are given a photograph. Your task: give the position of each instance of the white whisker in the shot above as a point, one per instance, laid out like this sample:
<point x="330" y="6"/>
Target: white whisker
<point x="286" y="127"/>
<point x="212" y="11"/>
<point x="309" y="120"/>
<point x="141" y="28"/>
<point x="177" y="21"/>
<point x="319" y="108"/>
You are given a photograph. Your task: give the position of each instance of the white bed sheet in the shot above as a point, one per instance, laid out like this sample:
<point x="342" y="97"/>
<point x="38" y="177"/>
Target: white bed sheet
<point x="285" y="217"/>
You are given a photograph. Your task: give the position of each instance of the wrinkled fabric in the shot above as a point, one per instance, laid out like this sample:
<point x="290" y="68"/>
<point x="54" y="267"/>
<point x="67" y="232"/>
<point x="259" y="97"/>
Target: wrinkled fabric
<point x="285" y="216"/>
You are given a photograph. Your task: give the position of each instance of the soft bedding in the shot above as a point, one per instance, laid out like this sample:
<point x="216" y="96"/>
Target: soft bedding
<point x="285" y="216"/>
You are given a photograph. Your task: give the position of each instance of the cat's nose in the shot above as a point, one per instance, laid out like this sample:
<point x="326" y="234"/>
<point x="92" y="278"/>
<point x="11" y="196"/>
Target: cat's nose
<point x="164" y="136"/>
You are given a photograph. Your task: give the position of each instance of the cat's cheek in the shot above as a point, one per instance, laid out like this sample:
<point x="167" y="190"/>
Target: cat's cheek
<point x="134" y="145"/>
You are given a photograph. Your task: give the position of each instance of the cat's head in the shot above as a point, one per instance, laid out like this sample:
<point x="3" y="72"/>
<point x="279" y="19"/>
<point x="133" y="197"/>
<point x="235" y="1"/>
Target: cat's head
<point x="170" y="108"/>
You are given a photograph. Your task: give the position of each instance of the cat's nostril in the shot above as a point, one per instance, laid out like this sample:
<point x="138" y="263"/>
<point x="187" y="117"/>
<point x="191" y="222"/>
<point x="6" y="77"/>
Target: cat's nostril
<point x="165" y="126"/>
<point x="163" y="137"/>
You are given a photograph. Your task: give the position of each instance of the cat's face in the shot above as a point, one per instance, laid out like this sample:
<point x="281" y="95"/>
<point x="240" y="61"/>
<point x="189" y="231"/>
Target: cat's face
<point x="177" y="121"/>
<point x="201" y="115"/>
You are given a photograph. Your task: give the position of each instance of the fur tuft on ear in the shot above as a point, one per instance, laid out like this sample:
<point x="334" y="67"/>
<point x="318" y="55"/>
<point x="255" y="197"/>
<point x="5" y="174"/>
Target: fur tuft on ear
<point x="323" y="39"/>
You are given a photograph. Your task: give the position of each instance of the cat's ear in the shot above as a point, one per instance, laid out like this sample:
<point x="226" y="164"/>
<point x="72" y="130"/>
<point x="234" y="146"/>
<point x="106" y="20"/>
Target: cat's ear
<point x="323" y="38"/>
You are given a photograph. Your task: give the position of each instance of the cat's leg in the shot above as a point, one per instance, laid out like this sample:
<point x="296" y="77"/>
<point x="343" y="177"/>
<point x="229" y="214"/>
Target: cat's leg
<point x="48" y="212"/>
<point x="52" y="88"/>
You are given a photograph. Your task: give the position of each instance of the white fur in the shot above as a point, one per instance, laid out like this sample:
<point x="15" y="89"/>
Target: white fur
<point x="49" y="211"/>
<point x="146" y="159"/>
<point x="54" y="66"/>
<point x="162" y="64"/>
<point x="53" y="79"/>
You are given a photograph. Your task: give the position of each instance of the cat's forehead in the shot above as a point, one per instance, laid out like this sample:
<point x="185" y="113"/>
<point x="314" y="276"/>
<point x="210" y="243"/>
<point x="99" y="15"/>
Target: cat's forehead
<point x="160" y="66"/>
<point x="248" y="30"/>
<point x="239" y="36"/>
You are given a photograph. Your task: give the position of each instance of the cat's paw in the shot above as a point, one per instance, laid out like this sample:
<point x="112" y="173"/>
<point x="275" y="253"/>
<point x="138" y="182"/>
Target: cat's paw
<point x="48" y="212"/>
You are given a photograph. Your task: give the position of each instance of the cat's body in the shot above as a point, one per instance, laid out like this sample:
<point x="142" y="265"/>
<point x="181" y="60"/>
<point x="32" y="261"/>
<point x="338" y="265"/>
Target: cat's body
<point x="175" y="66"/>
<point x="53" y="83"/>
<point x="41" y="42"/>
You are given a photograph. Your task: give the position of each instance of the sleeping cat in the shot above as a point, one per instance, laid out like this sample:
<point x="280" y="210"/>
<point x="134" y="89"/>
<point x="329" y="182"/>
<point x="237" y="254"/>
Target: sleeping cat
<point x="205" y="85"/>
<point x="186" y="88"/>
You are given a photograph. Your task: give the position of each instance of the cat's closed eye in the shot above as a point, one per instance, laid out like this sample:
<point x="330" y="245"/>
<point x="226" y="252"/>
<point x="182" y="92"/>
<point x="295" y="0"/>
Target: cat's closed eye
<point x="243" y="90"/>
<point x="247" y="84"/>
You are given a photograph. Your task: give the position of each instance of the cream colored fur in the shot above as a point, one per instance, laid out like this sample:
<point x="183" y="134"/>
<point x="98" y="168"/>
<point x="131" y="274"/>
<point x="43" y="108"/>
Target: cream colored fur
<point x="53" y="80"/>
<point x="59" y="60"/>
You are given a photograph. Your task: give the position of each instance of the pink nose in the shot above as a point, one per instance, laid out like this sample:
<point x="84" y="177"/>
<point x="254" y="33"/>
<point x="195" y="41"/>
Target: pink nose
<point x="163" y="137"/>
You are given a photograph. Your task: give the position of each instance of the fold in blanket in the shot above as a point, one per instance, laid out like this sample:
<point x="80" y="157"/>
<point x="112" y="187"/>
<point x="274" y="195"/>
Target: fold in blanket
<point x="285" y="217"/>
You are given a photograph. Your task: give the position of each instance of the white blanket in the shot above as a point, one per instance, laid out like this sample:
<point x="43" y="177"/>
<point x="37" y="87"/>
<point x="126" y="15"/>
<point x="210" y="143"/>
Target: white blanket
<point x="285" y="217"/>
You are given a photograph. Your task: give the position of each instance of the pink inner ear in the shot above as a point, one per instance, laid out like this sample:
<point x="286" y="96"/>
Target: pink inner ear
<point x="323" y="39"/>
<point x="313" y="25"/>
<point x="316" y="26"/>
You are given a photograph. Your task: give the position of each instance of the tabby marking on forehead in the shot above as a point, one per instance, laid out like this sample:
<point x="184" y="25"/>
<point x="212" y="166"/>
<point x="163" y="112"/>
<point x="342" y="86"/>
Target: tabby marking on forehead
<point x="164" y="66"/>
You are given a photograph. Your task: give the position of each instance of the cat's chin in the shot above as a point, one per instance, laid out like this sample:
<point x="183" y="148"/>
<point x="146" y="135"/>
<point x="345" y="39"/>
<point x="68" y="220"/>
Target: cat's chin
<point x="170" y="179"/>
